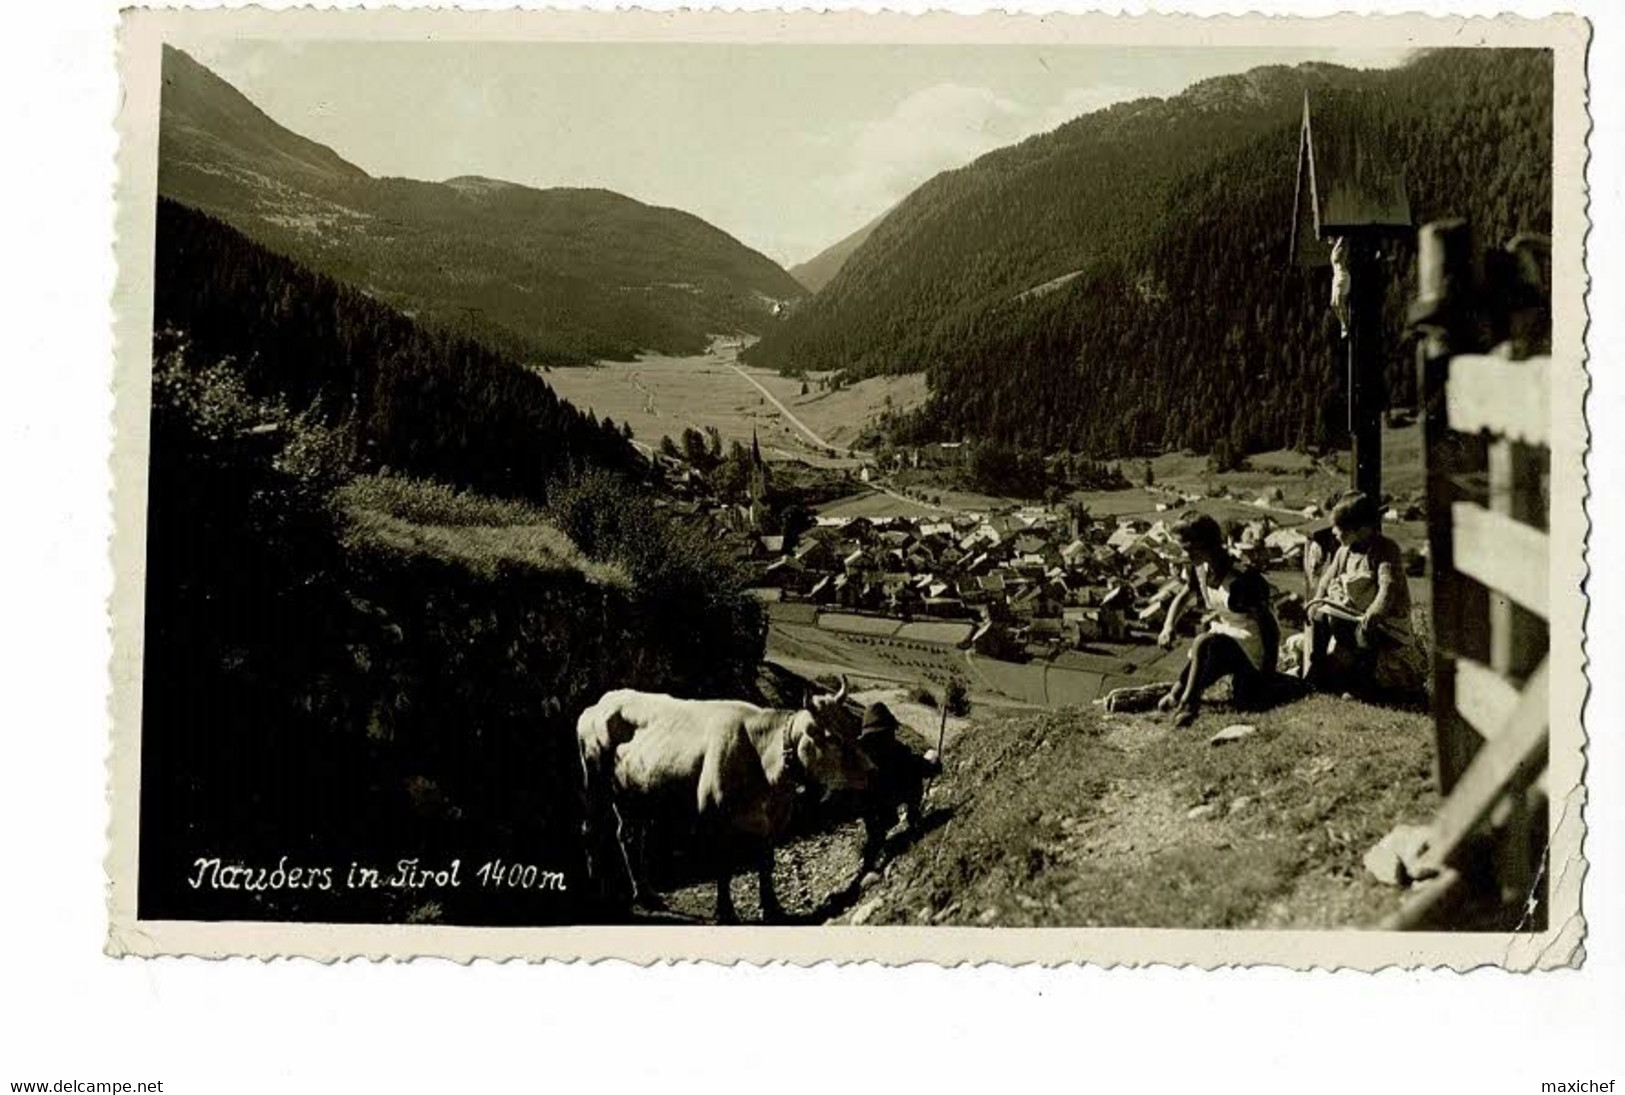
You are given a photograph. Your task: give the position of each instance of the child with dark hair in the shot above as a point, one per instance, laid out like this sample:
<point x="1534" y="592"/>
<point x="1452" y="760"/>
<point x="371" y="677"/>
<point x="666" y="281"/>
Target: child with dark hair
<point x="1359" y="621"/>
<point x="1241" y="638"/>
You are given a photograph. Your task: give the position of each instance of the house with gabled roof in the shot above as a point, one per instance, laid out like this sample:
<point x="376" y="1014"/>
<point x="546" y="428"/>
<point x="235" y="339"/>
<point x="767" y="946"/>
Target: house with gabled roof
<point x="861" y="529"/>
<point x="816" y="554"/>
<point x="785" y="572"/>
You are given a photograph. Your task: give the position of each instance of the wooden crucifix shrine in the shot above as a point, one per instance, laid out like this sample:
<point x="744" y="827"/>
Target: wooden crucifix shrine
<point x="1349" y="206"/>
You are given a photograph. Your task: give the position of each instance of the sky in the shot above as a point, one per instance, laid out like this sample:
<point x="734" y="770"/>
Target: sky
<point x="788" y="148"/>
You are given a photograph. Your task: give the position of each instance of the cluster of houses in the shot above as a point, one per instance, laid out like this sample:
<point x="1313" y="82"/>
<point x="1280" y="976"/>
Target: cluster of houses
<point x="1047" y="577"/>
<point x="1041" y="576"/>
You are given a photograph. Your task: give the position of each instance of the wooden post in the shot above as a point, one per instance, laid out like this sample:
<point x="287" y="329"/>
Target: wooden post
<point x="1518" y="644"/>
<point x="1444" y="263"/>
<point x="1367" y="394"/>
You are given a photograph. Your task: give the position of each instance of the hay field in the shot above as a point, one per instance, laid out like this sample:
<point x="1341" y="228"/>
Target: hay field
<point x="660" y="396"/>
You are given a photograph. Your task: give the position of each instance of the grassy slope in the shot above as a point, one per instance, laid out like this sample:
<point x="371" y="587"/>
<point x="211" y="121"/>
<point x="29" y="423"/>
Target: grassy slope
<point x="1076" y="818"/>
<point x="482" y="535"/>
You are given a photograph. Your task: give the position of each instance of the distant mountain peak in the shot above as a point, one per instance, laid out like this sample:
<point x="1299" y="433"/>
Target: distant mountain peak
<point x="821" y="269"/>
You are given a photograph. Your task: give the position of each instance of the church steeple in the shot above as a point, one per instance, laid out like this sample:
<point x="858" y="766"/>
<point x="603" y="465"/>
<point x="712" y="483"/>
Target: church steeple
<point x="757" y="480"/>
<point x="758" y="470"/>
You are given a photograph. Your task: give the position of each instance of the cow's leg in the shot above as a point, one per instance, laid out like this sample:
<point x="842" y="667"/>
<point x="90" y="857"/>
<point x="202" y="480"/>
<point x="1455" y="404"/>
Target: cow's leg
<point x="599" y="829"/>
<point x="771" y="909"/>
<point x="648" y="894"/>
<point x="627" y="830"/>
<point x="633" y="833"/>
<point x="723" y="846"/>
<point x="725" y="900"/>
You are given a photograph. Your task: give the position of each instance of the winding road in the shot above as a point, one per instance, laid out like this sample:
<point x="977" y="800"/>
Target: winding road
<point x="854" y="454"/>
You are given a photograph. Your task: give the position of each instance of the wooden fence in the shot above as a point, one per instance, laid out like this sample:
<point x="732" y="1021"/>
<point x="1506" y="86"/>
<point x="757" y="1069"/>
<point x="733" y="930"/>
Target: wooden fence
<point x="1486" y="428"/>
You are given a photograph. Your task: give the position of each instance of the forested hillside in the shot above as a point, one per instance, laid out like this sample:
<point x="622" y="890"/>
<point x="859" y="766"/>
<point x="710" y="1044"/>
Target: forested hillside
<point x="399" y="396"/>
<point x="343" y="666"/>
<point x="558" y="276"/>
<point x="1180" y="319"/>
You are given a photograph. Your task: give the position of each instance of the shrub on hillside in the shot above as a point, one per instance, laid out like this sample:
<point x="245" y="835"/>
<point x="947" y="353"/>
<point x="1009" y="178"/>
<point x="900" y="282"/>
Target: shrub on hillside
<point x="691" y="590"/>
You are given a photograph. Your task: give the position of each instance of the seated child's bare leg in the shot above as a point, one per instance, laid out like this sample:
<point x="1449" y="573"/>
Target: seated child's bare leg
<point x="1177" y="692"/>
<point x="1213" y="657"/>
<point x="1196" y="677"/>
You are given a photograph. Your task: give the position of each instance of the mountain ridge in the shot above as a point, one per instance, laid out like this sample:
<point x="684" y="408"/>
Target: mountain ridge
<point x="1184" y="321"/>
<point x="551" y="276"/>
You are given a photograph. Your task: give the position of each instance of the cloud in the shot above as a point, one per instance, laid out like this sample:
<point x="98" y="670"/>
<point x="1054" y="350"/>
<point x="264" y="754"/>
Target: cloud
<point x="939" y="128"/>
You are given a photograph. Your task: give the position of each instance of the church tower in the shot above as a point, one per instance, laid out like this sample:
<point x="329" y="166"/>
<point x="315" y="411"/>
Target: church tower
<point x="757" y="482"/>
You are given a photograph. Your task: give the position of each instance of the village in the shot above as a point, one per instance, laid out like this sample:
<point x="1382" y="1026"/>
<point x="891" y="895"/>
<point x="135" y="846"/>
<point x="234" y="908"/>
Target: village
<point x="1021" y="581"/>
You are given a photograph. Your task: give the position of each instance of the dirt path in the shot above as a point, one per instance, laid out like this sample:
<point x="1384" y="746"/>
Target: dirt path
<point x="1071" y="818"/>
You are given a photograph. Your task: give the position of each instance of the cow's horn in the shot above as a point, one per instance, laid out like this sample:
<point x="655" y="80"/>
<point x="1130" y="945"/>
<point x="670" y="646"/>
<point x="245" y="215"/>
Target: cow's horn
<point x="841" y="695"/>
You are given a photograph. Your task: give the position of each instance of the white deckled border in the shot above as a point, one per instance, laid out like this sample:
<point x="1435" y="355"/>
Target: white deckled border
<point x="1561" y="945"/>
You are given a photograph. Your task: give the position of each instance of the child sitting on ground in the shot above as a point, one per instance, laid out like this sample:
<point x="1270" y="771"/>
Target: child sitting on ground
<point x="1359" y="621"/>
<point x="1241" y="638"/>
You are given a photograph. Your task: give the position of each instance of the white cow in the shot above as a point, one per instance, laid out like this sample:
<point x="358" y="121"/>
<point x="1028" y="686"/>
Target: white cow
<point x="730" y="766"/>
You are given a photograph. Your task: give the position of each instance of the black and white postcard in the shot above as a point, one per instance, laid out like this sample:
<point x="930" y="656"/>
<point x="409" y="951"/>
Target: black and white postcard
<point x="798" y="487"/>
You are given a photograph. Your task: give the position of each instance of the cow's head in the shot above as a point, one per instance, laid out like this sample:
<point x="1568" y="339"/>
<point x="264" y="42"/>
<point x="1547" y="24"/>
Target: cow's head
<point x="827" y="742"/>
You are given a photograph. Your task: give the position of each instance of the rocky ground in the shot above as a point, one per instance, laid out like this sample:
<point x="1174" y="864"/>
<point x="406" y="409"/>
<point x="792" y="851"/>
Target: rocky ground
<point x="1079" y="818"/>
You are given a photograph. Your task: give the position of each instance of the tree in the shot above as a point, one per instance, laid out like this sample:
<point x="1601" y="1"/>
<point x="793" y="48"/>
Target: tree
<point x="694" y="449"/>
<point x="1225" y="456"/>
<point x="956" y="697"/>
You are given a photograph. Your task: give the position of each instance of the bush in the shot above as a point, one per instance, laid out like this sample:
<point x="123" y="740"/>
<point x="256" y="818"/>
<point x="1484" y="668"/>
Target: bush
<point x="1225" y="457"/>
<point x="922" y="695"/>
<point x="688" y="585"/>
<point x="956" y="699"/>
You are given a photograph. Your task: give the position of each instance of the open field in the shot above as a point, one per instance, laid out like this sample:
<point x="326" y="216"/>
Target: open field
<point x="875" y="503"/>
<point x="927" y="652"/>
<point x="1301" y="479"/>
<point x="661" y="396"/>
